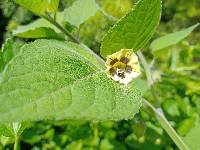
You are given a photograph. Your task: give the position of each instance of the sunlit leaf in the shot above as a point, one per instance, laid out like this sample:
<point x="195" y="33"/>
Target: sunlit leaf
<point x="54" y="80"/>
<point x="8" y="51"/>
<point x="80" y="11"/>
<point x="40" y="28"/>
<point x="141" y="85"/>
<point x="6" y="130"/>
<point x="40" y="32"/>
<point x="13" y="129"/>
<point x="135" y="29"/>
<point x="191" y="139"/>
<point x="171" y="39"/>
<point x="39" y="7"/>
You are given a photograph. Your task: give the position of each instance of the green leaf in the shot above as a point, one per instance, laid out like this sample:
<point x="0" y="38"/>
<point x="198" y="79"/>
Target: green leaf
<point x="171" y="39"/>
<point x="51" y="79"/>
<point x="186" y="125"/>
<point x="6" y="130"/>
<point x="80" y="11"/>
<point x="107" y="144"/>
<point x="171" y="108"/>
<point x="135" y="29"/>
<point x="53" y="6"/>
<point x="192" y="138"/>
<point x="39" y="32"/>
<point x="141" y="85"/>
<point x="39" y="7"/>
<point x="8" y="51"/>
<point x="77" y="145"/>
<point x="13" y="129"/>
<point x="40" y="28"/>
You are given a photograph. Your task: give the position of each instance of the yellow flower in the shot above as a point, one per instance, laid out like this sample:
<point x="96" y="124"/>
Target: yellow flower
<point x="123" y="66"/>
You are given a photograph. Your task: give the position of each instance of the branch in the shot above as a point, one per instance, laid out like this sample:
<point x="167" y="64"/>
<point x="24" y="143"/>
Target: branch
<point x="166" y="125"/>
<point x="146" y="68"/>
<point x="66" y="32"/>
<point x="16" y="144"/>
<point x="149" y="77"/>
<point x="158" y="111"/>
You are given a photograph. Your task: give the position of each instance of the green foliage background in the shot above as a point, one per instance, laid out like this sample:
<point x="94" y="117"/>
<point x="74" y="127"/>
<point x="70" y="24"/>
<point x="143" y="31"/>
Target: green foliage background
<point x="177" y="72"/>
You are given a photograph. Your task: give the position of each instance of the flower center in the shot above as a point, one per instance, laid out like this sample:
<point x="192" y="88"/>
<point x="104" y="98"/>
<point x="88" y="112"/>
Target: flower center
<point x="123" y="66"/>
<point x="121" y="73"/>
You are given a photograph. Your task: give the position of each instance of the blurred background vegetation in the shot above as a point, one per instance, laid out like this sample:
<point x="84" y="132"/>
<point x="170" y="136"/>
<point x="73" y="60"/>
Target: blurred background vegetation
<point x="176" y="71"/>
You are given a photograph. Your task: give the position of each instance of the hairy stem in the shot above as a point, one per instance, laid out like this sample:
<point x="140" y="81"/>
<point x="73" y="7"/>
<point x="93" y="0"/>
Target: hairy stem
<point x="16" y="144"/>
<point x="166" y="126"/>
<point x="108" y="16"/>
<point x="158" y="111"/>
<point x="68" y="34"/>
<point x="146" y="68"/>
<point x="149" y="77"/>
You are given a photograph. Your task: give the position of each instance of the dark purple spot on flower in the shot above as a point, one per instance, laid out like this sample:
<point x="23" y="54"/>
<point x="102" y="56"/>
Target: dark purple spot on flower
<point x="121" y="75"/>
<point x="114" y="61"/>
<point x="124" y="60"/>
<point x="112" y="71"/>
<point x="128" y="69"/>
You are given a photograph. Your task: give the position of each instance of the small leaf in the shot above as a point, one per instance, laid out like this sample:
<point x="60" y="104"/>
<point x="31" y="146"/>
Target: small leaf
<point x="192" y="138"/>
<point x="80" y="11"/>
<point x="6" y="130"/>
<point x="171" y="39"/>
<point x="8" y="51"/>
<point x="39" y="32"/>
<point x="110" y="144"/>
<point x="51" y="79"/>
<point x="134" y="30"/>
<point x="171" y="108"/>
<point x="53" y="6"/>
<point x="186" y="125"/>
<point x="141" y="85"/>
<point x="40" y="28"/>
<point x="13" y="129"/>
<point x="39" y="7"/>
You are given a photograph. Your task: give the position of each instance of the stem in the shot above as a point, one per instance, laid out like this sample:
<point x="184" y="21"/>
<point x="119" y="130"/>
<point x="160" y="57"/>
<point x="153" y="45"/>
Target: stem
<point x="67" y="33"/>
<point x="107" y="15"/>
<point x="112" y="18"/>
<point x="158" y="111"/>
<point x="16" y="144"/>
<point x="149" y="77"/>
<point x="146" y="67"/>
<point x="166" y="126"/>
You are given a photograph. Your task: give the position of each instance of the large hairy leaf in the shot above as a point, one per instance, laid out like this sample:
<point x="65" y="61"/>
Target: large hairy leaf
<point x="80" y="11"/>
<point x="50" y="79"/>
<point x="171" y="39"/>
<point x="39" y="7"/>
<point x="135" y="29"/>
